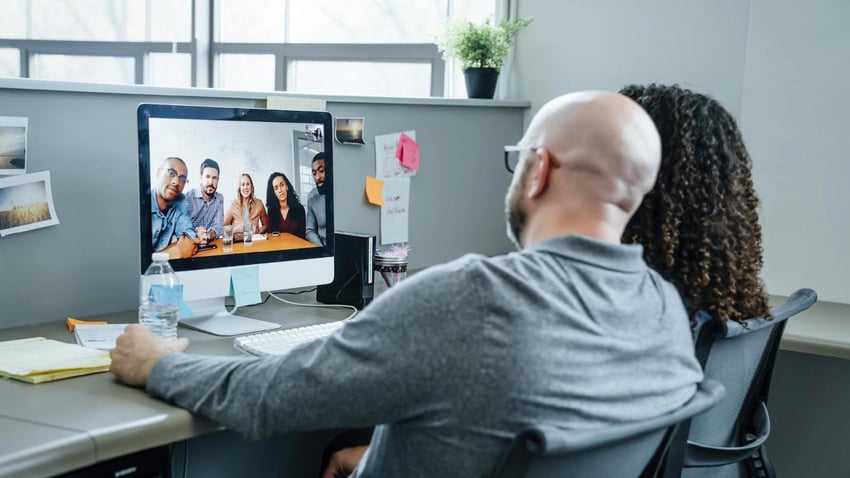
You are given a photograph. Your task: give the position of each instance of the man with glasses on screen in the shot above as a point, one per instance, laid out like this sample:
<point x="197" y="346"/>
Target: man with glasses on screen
<point x="573" y="330"/>
<point x="171" y="223"/>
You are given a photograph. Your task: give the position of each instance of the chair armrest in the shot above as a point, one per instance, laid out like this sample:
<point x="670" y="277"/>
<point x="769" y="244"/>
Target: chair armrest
<point x="701" y="455"/>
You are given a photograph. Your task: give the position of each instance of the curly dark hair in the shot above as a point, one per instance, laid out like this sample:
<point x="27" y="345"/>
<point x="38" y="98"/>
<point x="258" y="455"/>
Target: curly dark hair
<point x="699" y="225"/>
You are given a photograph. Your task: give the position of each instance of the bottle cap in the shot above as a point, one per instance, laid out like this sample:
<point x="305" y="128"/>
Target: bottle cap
<point x="159" y="257"/>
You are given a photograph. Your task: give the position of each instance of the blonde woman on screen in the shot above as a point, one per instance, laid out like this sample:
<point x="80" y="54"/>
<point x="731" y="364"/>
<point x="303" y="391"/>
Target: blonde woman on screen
<point x="246" y="203"/>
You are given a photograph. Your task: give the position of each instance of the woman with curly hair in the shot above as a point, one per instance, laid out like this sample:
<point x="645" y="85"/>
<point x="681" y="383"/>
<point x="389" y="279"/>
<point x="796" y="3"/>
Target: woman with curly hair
<point x="699" y="226"/>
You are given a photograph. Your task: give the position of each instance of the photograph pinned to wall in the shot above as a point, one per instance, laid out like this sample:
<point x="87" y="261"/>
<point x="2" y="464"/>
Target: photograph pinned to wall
<point x="350" y="130"/>
<point x="13" y="145"/>
<point x="26" y="203"/>
<point x="387" y="163"/>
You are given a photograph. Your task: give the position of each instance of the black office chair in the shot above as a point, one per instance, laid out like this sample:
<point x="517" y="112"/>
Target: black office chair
<point x="729" y="440"/>
<point x="632" y="450"/>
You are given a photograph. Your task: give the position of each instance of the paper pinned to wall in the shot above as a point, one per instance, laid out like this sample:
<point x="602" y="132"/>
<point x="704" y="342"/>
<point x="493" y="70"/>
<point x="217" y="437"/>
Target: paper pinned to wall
<point x="394" y="213"/>
<point x="386" y="163"/>
<point x="296" y="104"/>
<point x="26" y="203"/>
<point x="13" y="145"/>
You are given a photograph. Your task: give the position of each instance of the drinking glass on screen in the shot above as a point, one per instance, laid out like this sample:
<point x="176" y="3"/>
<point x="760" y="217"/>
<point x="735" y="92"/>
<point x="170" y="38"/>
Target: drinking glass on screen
<point x="227" y="238"/>
<point x="247" y="234"/>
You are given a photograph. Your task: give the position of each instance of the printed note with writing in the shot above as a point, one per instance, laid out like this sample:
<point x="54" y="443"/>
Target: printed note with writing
<point x="387" y="165"/>
<point x="395" y="210"/>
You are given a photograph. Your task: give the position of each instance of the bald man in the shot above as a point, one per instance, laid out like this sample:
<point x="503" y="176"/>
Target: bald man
<point x="573" y="330"/>
<point x="171" y="223"/>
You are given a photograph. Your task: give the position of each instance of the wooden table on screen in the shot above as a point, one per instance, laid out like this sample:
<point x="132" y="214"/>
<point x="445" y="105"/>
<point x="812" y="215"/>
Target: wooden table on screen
<point x="284" y="241"/>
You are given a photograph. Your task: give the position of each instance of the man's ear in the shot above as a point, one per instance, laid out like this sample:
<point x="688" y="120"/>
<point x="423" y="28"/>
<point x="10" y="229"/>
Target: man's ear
<point x="539" y="173"/>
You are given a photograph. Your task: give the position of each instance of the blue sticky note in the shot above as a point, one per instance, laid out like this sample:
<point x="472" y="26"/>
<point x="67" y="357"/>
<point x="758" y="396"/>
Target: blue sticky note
<point x="166" y="295"/>
<point x="171" y="295"/>
<point x="245" y="285"/>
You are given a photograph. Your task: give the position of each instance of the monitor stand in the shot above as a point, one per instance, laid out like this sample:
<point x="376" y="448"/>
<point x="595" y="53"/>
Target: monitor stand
<point x="211" y="316"/>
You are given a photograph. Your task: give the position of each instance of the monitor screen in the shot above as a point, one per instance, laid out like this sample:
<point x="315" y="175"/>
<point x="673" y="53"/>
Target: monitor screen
<point x="203" y="170"/>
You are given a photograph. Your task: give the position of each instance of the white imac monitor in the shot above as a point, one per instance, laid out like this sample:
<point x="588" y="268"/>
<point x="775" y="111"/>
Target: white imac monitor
<point x="204" y="168"/>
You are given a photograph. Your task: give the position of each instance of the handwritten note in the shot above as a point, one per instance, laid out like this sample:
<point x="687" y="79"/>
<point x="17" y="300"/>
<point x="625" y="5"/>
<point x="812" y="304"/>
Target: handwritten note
<point x="407" y="152"/>
<point x="245" y="285"/>
<point x="394" y="213"/>
<point x="375" y="191"/>
<point x="386" y="163"/>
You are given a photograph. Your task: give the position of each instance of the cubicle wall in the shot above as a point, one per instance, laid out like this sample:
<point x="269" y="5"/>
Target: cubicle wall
<point x="85" y="135"/>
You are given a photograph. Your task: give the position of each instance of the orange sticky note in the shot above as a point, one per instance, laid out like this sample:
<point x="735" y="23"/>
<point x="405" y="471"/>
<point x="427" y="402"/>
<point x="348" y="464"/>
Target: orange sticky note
<point x="408" y="152"/>
<point x="375" y="191"/>
<point x="71" y="323"/>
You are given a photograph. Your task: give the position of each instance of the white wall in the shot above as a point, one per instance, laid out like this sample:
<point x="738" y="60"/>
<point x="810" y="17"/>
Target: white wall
<point x="795" y="121"/>
<point x="780" y="66"/>
<point x="606" y="44"/>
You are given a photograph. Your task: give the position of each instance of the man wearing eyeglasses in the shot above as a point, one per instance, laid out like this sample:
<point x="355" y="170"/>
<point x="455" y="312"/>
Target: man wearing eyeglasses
<point x="573" y="330"/>
<point x="171" y="223"/>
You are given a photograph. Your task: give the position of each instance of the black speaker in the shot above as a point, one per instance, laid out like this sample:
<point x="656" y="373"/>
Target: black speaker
<point x="354" y="277"/>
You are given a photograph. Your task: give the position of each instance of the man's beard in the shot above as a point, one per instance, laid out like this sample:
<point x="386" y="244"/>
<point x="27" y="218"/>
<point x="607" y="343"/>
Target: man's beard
<point x="322" y="189"/>
<point x="516" y="216"/>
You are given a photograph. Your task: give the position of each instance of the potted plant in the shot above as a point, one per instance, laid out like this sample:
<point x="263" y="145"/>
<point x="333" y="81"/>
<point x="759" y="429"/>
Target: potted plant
<point x="481" y="50"/>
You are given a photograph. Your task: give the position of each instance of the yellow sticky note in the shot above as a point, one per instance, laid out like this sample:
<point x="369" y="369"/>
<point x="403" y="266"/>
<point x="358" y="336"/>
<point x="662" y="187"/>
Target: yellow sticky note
<point x="72" y="322"/>
<point x="375" y="191"/>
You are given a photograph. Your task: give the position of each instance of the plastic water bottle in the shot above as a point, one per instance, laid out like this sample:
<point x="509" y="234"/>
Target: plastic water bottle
<point x="159" y="298"/>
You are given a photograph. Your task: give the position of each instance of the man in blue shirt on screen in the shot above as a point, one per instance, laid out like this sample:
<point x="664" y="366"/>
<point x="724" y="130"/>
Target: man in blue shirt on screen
<point x="171" y="224"/>
<point x="206" y="205"/>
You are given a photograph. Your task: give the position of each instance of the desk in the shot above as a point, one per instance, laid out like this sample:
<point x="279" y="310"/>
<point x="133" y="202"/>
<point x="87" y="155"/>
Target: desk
<point x="823" y="329"/>
<point x="60" y="426"/>
<point x="284" y="241"/>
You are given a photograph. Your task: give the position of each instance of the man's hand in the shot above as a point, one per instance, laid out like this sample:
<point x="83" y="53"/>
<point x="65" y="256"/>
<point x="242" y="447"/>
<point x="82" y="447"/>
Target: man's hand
<point x="203" y="235"/>
<point x="343" y="462"/>
<point x="187" y="246"/>
<point x="182" y="248"/>
<point x="137" y="350"/>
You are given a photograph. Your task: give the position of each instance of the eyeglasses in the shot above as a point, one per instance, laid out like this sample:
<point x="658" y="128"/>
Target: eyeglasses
<point x="172" y="173"/>
<point x="512" y="156"/>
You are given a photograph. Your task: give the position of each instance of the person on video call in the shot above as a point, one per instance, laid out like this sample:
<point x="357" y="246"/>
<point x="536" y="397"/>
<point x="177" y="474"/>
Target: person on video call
<point x="246" y="204"/>
<point x="171" y="224"/>
<point x="573" y="330"/>
<point x="316" y="219"/>
<point x="286" y="214"/>
<point x="206" y="205"/>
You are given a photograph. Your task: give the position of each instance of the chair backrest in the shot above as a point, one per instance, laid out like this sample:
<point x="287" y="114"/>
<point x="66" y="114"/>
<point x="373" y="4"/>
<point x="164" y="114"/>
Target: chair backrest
<point x="630" y="450"/>
<point x="741" y="357"/>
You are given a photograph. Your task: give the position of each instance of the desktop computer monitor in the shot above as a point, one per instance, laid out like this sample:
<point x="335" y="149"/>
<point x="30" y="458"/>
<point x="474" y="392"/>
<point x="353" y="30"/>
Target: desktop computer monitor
<point x="251" y="149"/>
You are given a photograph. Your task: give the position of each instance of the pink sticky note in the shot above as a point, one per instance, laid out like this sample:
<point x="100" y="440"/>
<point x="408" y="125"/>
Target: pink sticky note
<point x="409" y="149"/>
<point x="399" y="147"/>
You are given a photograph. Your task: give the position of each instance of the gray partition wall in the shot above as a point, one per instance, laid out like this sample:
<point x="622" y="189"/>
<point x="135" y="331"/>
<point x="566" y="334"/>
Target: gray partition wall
<point x="85" y="135"/>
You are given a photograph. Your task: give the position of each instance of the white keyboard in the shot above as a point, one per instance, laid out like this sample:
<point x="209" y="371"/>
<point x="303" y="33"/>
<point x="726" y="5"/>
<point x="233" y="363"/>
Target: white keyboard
<point x="281" y="341"/>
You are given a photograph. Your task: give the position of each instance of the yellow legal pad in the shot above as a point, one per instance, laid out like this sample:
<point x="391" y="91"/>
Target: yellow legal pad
<point x="37" y="360"/>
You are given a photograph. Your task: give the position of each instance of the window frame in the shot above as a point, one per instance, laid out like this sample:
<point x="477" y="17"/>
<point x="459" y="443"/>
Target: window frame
<point x="205" y="50"/>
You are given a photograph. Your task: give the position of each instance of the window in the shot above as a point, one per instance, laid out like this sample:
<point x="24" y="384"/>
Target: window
<point x="380" y="47"/>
